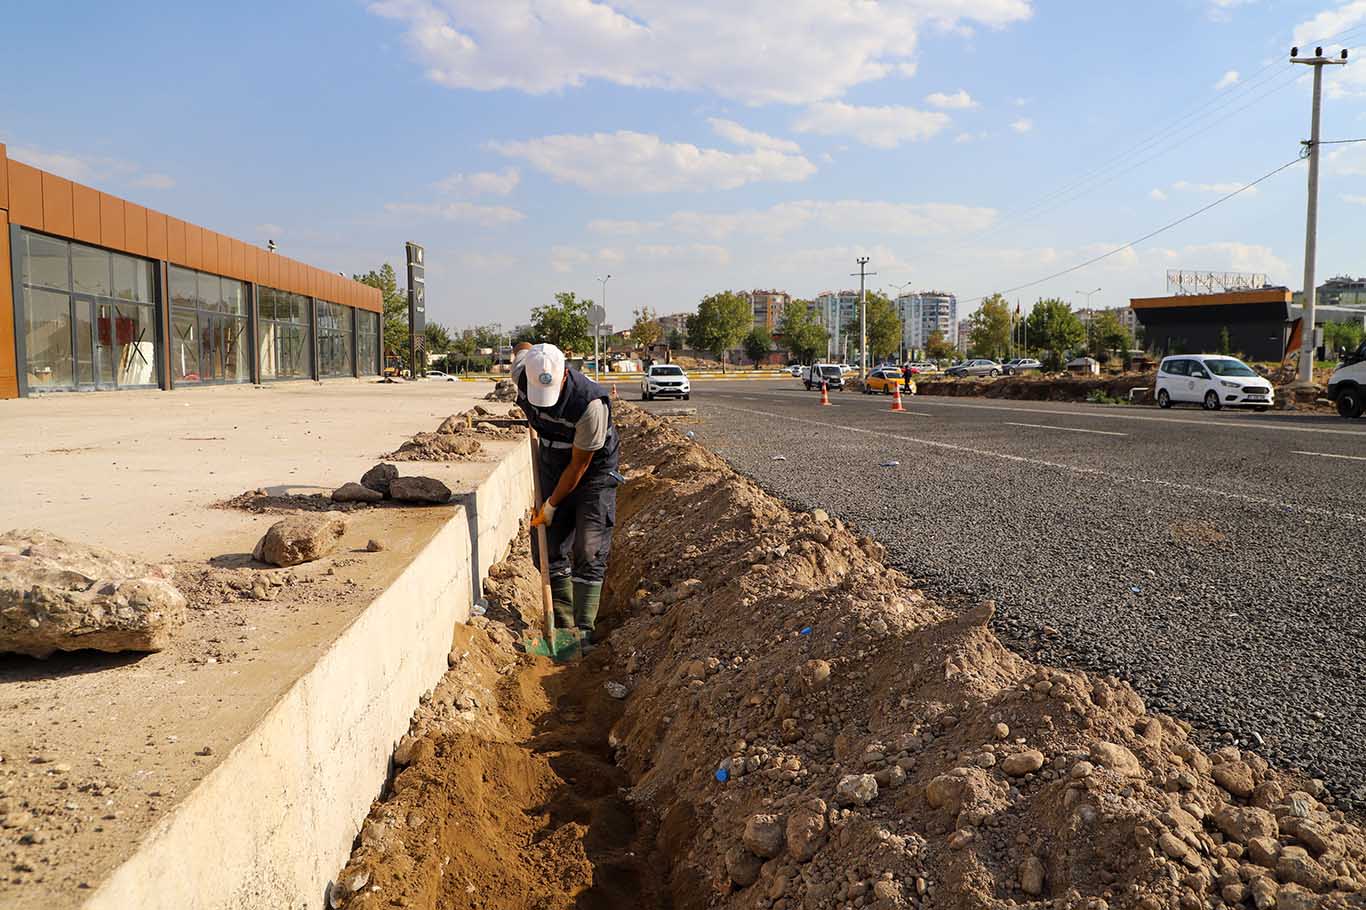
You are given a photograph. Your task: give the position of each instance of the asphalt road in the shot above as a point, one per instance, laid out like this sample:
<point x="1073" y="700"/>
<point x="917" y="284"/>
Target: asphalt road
<point x="1215" y="560"/>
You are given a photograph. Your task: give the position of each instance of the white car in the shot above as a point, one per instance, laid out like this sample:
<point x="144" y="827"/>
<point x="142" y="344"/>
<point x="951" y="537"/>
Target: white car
<point x="1211" y="380"/>
<point x="665" y="380"/>
<point x="795" y="369"/>
<point x="1347" y="385"/>
<point x="440" y="376"/>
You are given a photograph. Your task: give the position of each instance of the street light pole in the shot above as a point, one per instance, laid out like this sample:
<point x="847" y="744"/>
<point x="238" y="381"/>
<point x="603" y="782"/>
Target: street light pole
<point x="1311" y="227"/>
<point x="863" y="274"/>
<point x="1090" y="316"/>
<point x="900" y="289"/>
<point x="597" y="330"/>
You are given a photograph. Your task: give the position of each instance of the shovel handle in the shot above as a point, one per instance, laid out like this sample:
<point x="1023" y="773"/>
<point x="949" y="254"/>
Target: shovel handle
<point x="542" y="548"/>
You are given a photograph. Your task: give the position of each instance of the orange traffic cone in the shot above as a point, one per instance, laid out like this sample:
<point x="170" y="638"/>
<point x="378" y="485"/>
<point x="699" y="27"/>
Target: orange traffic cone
<point x="825" y="393"/>
<point x="896" y="398"/>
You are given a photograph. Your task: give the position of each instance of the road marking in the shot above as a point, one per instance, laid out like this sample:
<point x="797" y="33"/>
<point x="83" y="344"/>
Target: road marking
<point x="1331" y="455"/>
<point x="1044" y="426"/>
<point x="1060" y="466"/>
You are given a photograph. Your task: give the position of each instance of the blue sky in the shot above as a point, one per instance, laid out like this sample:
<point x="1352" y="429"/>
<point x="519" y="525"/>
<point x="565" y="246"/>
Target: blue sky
<point x="534" y="145"/>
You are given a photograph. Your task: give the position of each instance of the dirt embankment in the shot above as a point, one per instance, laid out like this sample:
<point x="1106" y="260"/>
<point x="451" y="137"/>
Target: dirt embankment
<point x="803" y="729"/>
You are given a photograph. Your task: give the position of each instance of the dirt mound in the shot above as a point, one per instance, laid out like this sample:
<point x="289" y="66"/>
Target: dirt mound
<point x="261" y="502"/>
<point x="803" y="729"/>
<point x="458" y="436"/>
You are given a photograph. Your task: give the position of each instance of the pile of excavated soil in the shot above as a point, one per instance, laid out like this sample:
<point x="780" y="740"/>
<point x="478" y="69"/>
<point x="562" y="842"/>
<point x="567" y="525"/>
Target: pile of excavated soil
<point x="804" y="729"/>
<point x="458" y="436"/>
<point x="261" y="502"/>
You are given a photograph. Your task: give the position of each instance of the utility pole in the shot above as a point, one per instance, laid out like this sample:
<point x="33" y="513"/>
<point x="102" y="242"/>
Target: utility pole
<point x="1311" y="228"/>
<point x="597" y="330"/>
<point x="863" y="274"/>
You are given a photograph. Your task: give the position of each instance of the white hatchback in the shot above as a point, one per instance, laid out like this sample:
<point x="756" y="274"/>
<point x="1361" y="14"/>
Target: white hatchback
<point x="1212" y="380"/>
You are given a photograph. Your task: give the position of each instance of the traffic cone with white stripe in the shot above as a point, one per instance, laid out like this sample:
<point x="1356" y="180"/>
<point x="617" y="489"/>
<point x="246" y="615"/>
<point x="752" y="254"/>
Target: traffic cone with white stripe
<point x="825" y="393"/>
<point x="896" y="397"/>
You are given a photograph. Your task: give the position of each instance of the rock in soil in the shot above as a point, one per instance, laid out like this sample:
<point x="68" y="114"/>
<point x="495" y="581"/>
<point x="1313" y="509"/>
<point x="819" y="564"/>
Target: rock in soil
<point x="379" y="477"/>
<point x="437" y="447"/>
<point x="355" y="492"/>
<point x="300" y="538"/>
<point x="419" y="489"/>
<point x="56" y="595"/>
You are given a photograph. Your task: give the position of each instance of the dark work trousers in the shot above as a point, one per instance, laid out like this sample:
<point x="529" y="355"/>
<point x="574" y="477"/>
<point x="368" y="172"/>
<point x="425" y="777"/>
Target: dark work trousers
<point x="580" y="537"/>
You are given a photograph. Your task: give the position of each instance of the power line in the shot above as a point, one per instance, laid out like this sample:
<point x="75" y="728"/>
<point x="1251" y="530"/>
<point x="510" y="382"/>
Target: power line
<point x="1145" y="237"/>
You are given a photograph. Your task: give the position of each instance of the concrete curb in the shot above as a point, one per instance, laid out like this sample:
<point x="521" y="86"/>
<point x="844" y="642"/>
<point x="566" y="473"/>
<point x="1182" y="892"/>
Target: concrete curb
<point x="270" y="825"/>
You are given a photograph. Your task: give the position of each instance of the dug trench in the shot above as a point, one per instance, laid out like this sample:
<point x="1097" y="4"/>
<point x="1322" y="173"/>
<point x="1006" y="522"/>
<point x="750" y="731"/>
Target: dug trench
<point x="777" y="720"/>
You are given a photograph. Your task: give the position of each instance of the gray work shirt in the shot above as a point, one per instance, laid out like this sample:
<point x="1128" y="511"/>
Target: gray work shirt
<point x="590" y="433"/>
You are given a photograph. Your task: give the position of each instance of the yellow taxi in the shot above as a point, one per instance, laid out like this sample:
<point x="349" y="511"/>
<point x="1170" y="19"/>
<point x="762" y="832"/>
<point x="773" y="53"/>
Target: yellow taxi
<point x="884" y="379"/>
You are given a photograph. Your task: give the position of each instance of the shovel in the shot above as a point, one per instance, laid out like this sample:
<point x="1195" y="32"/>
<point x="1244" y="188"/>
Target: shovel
<point x="557" y="644"/>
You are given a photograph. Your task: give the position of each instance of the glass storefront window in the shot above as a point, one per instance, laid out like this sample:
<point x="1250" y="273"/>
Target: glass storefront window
<point x="234" y="297"/>
<point x="132" y="279"/>
<point x="334" y="339"/>
<point x="45" y="262"/>
<point x="90" y="271"/>
<point x="47" y="339"/>
<point x="284" y="337"/>
<point x="367" y="343"/>
<point x="184" y="287"/>
<point x="209" y="337"/>
<point x="184" y="346"/>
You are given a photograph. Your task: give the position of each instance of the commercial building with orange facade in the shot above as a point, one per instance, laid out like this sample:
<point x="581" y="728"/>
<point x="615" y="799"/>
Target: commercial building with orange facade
<point x="100" y="293"/>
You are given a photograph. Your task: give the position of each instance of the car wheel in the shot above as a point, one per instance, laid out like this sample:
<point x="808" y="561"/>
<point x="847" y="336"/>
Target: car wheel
<point x="1350" y="403"/>
<point x="1164" y="400"/>
<point x="994" y="373"/>
<point x="1212" y="401"/>
<point x="687" y="396"/>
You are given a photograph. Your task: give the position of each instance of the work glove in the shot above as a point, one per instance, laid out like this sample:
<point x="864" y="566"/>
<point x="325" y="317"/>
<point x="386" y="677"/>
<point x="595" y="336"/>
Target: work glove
<point x="544" y="517"/>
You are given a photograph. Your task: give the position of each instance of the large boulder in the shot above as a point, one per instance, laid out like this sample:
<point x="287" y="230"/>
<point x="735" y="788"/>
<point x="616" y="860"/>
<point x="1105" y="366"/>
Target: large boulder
<point x="301" y="538"/>
<point x="355" y="492"/>
<point x="61" y="596"/>
<point x="379" y="477"/>
<point x="419" y="489"/>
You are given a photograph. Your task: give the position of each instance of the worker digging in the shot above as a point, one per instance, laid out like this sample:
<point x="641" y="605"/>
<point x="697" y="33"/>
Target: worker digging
<point x="577" y="462"/>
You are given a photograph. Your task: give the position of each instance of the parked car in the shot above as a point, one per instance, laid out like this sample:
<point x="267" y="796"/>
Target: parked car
<point x="1212" y="380"/>
<point x="665" y="380"/>
<point x="795" y="369"/>
<point x="923" y="366"/>
<point x="883" y="379"/>
<point x="1019" y="365"/>
<point x="1347" y="385"/>
<point x="979" y="367"/>
<point x="441" y="376"/>
<point x="829" y="373"/>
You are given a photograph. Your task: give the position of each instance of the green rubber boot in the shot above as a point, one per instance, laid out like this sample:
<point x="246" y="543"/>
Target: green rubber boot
<point x="562" y="596"/>
<point x="587" y="597"/>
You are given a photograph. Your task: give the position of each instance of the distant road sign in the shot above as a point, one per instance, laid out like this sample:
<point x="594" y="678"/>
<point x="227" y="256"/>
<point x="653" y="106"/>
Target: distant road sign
<point x="597" y="315"/>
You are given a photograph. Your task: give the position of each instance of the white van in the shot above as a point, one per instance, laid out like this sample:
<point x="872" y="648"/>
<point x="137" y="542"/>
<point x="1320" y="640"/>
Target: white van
<point x="1347" y="385"/>
<point x="1212" y="380"/>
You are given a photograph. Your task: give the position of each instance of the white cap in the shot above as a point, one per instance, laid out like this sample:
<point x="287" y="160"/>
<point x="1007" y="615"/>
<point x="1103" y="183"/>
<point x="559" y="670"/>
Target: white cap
<point x="544" y="367"/>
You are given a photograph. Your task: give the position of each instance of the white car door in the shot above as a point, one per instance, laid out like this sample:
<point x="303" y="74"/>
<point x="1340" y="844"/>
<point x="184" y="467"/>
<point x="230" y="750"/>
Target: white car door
<point x="1200" y="380"/>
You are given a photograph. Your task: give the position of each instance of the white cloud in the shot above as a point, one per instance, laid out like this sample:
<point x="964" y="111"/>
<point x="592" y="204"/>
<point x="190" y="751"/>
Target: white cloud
<point x="1226" y="80"/>
<point x="915" y="219"/>
<point x="482" y="215"/>
<point x="1222" y="189"/>
<point x="1222" y="10"/>
<point x="1023" y="125"/>
<point x="827" y="259"/>
<point x="880" y="127"/>
<point x="549" y="45"/>
<point x="627" y="162"/>
<point x="685" y="253"/>
<point x="492" y="183"/>
<point x="1346" y="160"/>
<point x="567" y="258"/>
<point x="91" y="169"/>
<point x="747" y="138"/>
<point x="1354" y="200"/>
<point x="1237" y="257"/>
<point x="475" y="261"/>
<point x="1330" y="23"/>
<point x="621" y="228"/>
<point x="963" y="138"/>
<point x="958" y="101"/>
<point x="1157" y="195"/>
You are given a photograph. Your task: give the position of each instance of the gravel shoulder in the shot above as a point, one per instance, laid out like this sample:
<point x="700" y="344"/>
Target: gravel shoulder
<point x="1217" y="571"/>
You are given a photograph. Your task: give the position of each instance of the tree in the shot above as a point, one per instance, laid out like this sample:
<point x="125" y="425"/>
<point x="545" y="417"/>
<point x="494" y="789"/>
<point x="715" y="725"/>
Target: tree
<point x="937" y="347"/>
<point x="720" y="323"/>
<point x="645" y="331"/>
<point x="395" y="310"/>
<point x="487" y="336"/>
<point x="989" y="328"/>
<point x="438" y="338"/>
<point x="563" y="323"/>
<point x="884" y="326"/>
<point x="1338" y="335"/>
<point x="757" y="344"/>
<point x="1053" y="327"/>
<point x="465" y="345"/>
<point x="804" y="337"/>
<point x="1110" y="334"/>
<point x="676" y="340"/>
